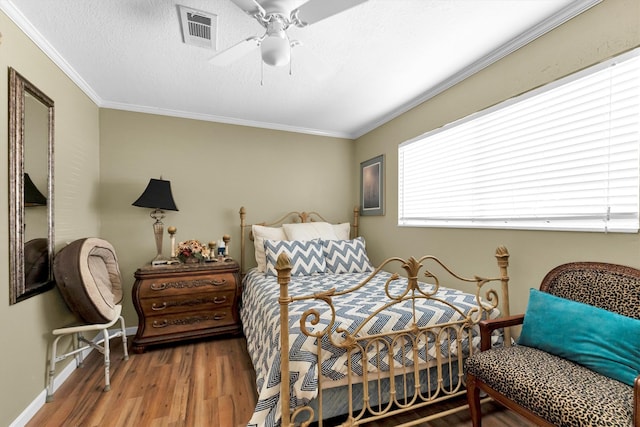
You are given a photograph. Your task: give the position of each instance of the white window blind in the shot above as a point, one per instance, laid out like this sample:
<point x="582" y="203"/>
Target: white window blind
<point x="562" y="157"/>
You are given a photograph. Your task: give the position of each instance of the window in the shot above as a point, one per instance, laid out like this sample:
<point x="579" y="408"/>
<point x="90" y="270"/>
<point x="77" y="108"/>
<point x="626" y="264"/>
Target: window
<point x="561" y="157"/>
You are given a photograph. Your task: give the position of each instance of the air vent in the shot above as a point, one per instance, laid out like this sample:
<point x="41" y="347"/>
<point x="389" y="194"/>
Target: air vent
<point x="198" y="28"/>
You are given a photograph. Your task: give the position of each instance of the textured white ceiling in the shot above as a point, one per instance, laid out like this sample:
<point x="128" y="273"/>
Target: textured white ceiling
<point x="353" y="72"/>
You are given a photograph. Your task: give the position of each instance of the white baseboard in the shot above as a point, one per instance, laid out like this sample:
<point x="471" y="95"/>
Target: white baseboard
<point x="40" y="400"/>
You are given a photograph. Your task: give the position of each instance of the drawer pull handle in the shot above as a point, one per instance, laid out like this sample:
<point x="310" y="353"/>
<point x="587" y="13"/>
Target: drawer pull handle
<point x="187" y="284"/>
<point x="161" y="324"/>
<point x="157" y="307"/>
<point x="218" y="300"/>
<point x="219" y="316"/>
<point x="219" y="282"/>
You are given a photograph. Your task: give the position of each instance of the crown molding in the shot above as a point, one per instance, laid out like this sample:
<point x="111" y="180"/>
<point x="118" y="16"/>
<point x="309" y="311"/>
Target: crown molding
<point x="570" y="11"/>
<point x="32" y="32"/>
<point x="41" y="42"/>
<point x="225" y="120"/>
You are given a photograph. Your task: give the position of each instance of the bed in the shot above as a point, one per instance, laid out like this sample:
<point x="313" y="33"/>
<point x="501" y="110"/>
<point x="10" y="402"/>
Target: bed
<point x="362" y="342"/>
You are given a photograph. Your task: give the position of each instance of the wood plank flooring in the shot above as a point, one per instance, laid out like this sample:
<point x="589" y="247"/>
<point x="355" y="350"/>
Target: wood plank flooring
<point x="206" y="383"/>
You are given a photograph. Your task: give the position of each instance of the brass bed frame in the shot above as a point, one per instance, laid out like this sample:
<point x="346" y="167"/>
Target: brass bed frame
<point x="449" y="383"/>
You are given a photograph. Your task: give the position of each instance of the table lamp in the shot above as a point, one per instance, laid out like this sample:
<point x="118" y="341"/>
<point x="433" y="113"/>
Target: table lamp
<point x="32" y="196"/>
<point x="158" y="197"/>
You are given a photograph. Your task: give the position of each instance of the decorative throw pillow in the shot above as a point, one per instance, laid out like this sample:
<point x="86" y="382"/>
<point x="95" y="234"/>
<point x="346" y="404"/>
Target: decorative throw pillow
<point x="260" y="234"/>
<point x="346" y="256"/>
<point x="310" y="231"/>
<point x="343" y="231"/>
<point x="306" y="257"/>
<point x="601" y="340"/>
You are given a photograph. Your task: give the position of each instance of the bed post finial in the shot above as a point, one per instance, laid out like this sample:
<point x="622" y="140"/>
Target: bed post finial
<point x="283" y="268"/>
<point x="356" y="216"/>
<point x="243" y="214"/>
<point x="502" y="255"/>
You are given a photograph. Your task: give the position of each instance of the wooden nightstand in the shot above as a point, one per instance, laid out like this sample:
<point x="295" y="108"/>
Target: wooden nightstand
<point x="186" y="301"/>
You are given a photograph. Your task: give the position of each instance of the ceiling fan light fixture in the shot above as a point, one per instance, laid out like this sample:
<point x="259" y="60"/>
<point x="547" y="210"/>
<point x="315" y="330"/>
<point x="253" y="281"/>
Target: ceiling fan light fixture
<point x="275" y="48"/>
<point x="275" y="51"/>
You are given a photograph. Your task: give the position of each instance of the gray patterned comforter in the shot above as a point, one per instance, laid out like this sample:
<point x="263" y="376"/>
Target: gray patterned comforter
<point x="261" y="325"/>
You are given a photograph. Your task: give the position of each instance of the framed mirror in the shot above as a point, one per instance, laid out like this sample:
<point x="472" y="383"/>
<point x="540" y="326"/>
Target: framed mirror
<point x="31" y="232"/>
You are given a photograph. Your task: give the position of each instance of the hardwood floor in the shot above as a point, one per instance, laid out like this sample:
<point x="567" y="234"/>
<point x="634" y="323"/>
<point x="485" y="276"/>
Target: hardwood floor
<point x="207" y="383"/>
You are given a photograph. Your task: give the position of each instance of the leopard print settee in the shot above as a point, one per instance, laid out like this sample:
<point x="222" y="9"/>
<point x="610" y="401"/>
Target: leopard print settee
<point x="550" y="390"/>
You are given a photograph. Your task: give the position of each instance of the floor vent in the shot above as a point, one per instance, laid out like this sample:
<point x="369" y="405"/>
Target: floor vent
<point x="198" y="28"/>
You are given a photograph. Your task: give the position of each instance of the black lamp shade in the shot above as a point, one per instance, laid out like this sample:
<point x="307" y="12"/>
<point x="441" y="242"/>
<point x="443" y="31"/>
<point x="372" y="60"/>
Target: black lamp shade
<point x="32" y="196"/>
<point x="157" y="195"/>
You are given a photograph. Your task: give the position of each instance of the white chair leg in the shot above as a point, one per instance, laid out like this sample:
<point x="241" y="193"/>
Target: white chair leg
<point x="52" y="368"/>
<point x="107" y="361"/>
<point x="124" y="338"/>
<point x="78" y="338"/>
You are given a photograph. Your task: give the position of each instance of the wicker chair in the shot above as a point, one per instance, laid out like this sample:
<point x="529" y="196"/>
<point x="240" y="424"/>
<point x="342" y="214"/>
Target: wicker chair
<point x="550" y="390"/>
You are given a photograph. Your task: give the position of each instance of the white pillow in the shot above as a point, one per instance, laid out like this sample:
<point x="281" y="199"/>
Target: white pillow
<point x="309" y="231"/>
<point x="260" y="234"/>
<point x="343" y="231"/>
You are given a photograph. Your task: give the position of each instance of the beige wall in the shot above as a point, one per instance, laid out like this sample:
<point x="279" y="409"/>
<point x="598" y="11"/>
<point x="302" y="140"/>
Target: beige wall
<point x="214" y="169"/>
<point x="26" y="326"/>
<point x="611" y="27"/>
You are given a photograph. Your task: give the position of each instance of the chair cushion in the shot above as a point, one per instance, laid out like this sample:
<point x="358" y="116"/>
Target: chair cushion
<point x="88" y="277"/>
<point x="560" y="391"/>
<point x="36" y="261"/>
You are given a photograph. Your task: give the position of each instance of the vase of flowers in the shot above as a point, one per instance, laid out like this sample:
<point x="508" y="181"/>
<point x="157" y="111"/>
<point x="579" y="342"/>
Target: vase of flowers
<point x="192" y="251"/>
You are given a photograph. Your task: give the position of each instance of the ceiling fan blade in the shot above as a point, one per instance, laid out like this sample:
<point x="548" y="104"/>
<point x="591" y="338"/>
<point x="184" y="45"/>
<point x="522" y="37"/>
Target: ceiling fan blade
<point x="235" y="52"/>
<point x="317" y="10"/>
<point x="252" y="7"/>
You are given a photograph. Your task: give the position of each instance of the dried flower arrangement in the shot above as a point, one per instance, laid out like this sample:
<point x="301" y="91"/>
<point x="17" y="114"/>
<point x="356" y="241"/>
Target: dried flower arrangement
<point x="191" y="249"/>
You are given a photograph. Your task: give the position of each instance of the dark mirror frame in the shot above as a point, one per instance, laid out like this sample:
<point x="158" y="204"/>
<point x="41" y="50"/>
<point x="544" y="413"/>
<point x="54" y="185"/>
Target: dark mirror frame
<point x="19" y="288"/>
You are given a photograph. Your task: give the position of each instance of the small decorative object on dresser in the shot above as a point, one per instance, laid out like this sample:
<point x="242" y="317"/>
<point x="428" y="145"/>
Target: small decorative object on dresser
<point x="172" y="232"/>
<point x="185" y="301"/>
<point x="226" y="239"/>
<point x="192" y="251"/>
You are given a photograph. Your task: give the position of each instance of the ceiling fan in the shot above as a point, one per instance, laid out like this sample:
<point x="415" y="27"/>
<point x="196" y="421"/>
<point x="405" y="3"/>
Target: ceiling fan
<point x="276" y="16"/>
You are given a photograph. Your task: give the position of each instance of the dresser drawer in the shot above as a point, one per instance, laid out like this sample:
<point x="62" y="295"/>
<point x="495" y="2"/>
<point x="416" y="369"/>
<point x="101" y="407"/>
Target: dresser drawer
<point x="187" y="321"/>
<point x="170" y="286"/>
<point x="187" y="302"/>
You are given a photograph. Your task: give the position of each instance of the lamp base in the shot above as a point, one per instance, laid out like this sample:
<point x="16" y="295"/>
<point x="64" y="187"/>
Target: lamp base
<point x="172" y="261"/>
<point x="159" y="261"/>
<point x="157" y="232"/>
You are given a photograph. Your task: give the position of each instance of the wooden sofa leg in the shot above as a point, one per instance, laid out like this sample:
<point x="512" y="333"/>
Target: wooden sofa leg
<point x="473" y="397"/>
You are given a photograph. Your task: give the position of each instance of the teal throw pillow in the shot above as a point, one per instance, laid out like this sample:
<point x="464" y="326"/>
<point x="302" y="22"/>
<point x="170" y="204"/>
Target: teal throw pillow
<point x="603" y="341"/>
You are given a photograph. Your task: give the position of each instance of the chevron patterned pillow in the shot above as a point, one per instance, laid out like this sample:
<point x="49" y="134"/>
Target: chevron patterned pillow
<point x="306" y="257"/>
<point x="346" y="256"/>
